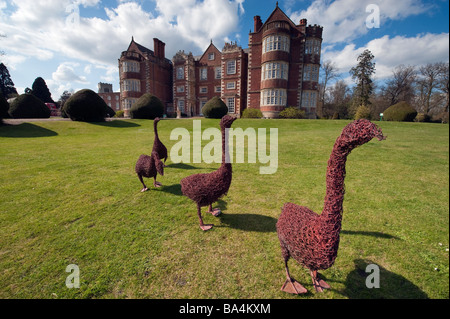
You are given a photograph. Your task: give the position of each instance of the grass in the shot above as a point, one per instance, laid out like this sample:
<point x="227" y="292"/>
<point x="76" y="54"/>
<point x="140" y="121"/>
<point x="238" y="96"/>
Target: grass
<point x="69" y="195"/>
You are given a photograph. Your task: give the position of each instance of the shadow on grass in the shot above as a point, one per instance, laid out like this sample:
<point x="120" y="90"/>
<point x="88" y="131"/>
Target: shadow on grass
<point x="182" y="166"/>
<point x="368" y="233"/>
<point x="392" y="285"/>
<point x="115" y="123"/>
<point x="174" y="189"/>
<point x="27" y="130"/>
<point x="249" y="222"/>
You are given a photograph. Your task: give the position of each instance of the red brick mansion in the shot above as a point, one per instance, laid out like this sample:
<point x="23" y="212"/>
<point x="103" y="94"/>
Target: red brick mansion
<point x="279" y="69"/>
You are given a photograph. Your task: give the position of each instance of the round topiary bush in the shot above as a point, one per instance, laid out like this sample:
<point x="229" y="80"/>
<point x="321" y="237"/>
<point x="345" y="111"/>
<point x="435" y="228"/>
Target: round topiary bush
<point x="147" y="107"/>
<point x="292" y="113"/>
<point x="362" y="112"/>
<point x="86" y="105"/>
<point x="27" y="106"/>
<point x="401" y="112"/>
<point x="215" y="108"/>
<point x="252" y="113"/>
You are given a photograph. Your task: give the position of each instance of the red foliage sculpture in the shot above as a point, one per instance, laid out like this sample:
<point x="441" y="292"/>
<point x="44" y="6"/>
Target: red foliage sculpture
<point x="158" y="146"/>
<point x="149" y="166"/>
<point x="312" y="239"/>
<point x="205" y="189"/>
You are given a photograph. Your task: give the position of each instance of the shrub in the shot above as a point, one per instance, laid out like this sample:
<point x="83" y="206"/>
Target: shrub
<point x="215" y="108"/>
<point x="422" y="117"/>
<point x="292" y="112"/>
<point x="109" y="111"/>
<point x="362" y="112"/>
<point x="401" y="112"/>
<point x="252" y="113"/>
<point x="85" y="105"/>
<point x="4" y="107"/>
<point x="28" y="106"/>
<point x="147" y="107"/>
<point x="119" y="114"/>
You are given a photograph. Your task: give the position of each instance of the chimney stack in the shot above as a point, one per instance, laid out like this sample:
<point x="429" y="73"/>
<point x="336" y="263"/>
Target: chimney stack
<point x="303" y="22"/>
<point x="159" y="48"/>
<point x="257" y="23"/>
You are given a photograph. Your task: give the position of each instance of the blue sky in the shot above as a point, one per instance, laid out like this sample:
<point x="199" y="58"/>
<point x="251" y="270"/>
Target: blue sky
<point x="74" y="44"/>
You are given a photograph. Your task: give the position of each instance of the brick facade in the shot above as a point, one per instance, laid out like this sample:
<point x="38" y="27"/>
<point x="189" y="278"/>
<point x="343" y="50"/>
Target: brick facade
<point x="279" y="69"/>
<point x="105" y="90"/>
<point x="145" y="71"/>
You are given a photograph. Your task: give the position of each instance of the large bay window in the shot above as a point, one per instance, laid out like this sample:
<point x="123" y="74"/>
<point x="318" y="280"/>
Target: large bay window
<point x="276" y="43"/>
<point x="275" y="70"/>
<point x="274" y="97"/>
<point x="130" y="66"/>
<point x="131" y="85"/>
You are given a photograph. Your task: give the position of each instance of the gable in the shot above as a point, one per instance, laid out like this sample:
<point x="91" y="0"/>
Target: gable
<point x="279" y="15"/>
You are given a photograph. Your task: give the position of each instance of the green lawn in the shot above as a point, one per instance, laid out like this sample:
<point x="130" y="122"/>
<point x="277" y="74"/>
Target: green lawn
<point x="69" y="195"/>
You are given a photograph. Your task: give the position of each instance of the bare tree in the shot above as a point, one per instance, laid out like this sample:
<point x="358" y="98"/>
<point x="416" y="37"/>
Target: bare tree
<point x="400" y="87"/>
<point x="443" y="84"/>
<point x="329" y="72"/>
<point x="338" y="102"/>
<point x="427" y="84"/>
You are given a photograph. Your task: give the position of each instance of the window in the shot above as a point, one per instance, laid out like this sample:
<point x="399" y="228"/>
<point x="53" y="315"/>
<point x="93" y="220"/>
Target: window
<point x="180" y="89"/>
<point x="276" y="43"/>
<point x="203" y="74"/>
<point x="218" y="72"/>
<point x="211" y="56"/>
<point x="218" y="89"/>
<point x="181" y="106"/>
<point x="202" y="104"/>
<point x="273" y="97"/>
<point x="204" y="89"/>
<point x="309" y="99"/>
<point x="231" y="67"/>
<point x="128" y="103"/>
<point x="311" y="73"/>
<point x="130" y="66"/>
<point x="275" y="70"/>
<point x="117" y="106"/>
<point x="180" y="73"/>
<point x="231" y="85"/>
<point x="109" y="97"/>
<point x="132" y="85"/>
<point x="117" y="98"/>
<point x="230" y="104"/>
<point x="312" y="46"/>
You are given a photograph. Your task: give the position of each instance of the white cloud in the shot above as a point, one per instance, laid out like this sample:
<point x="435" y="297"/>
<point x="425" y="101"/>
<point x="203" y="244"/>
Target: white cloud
<point x="66" y="73"/>
<point x="391" y="52"/>
<point x="345" y="20"/>
<point x="42" y="29"/>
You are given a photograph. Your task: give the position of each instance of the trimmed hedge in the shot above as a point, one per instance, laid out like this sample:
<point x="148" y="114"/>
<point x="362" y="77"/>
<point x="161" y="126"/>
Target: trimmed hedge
<point x="147" y="107"/>
<point x="292" y="112"/>
<point x="215" y="108"/>
<point x="4" y="107"/>
<point x="27" y="106"/>
<point x="252" y="113"/>
<point x="401" y="112"/>
<point x="87" y="106"/>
